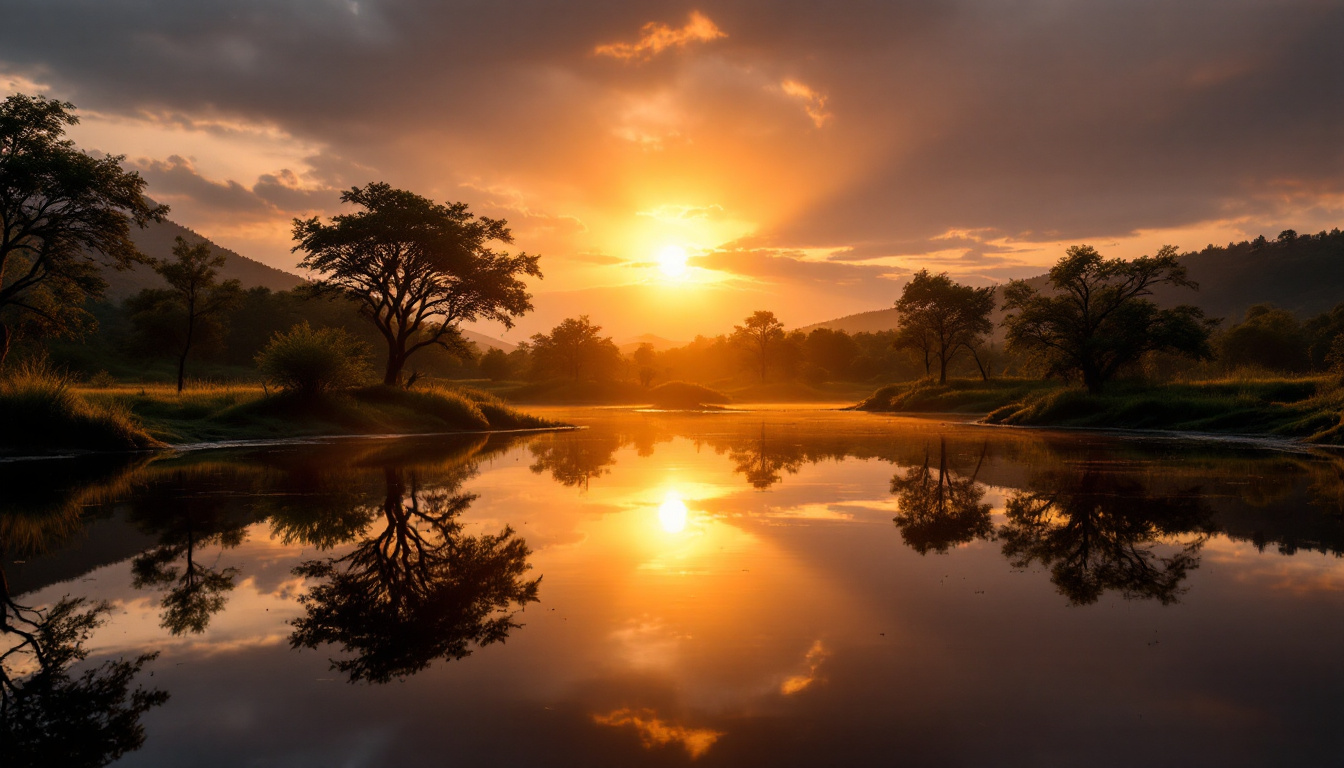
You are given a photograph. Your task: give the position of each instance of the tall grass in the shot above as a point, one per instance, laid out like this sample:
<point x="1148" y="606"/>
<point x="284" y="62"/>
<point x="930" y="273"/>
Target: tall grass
<point x="40" y="410"/>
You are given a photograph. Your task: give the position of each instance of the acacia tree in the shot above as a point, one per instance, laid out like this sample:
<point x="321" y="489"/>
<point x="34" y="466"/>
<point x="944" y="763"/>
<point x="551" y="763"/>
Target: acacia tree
<point x="941" y="317"/>
<point x="194" y="294"/>
<point x="416" y="268"/>
<point x="575" y="347"/>
<point x="1096" y="321"/>
<point x="63" y="216"/>
<point x="759" y="335"/>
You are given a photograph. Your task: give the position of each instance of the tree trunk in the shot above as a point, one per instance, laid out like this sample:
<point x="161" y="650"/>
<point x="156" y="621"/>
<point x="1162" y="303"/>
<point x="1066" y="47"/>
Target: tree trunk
<point x="186" y="348"/>
<point x="984" y="372"/>
<point x="1093" y="381"/>
<point x="392" y="374"/>
<point x="4" y="344"/>
<point x="942" y="369"/>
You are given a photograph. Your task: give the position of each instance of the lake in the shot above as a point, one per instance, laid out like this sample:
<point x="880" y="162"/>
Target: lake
<point x="777" y="587"/>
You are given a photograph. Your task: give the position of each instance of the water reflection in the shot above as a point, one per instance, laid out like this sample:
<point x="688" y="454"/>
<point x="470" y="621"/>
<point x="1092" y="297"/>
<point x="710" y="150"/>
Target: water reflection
<point x="938" y="513"/>
<point x="1095" y="532"/>
<point x="50" y="713"/>
<point x="417" y="590"/>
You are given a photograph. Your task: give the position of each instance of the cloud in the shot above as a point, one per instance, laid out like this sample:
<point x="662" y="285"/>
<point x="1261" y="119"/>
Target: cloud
<point x="813" y="103"/>
<point x="656" y="732"/>
<point x="682" y="212"/>
<point x="656" y="37"/>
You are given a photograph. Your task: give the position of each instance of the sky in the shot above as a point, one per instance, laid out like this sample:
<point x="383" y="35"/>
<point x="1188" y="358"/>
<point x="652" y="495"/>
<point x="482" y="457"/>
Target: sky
<point x="678" y="166"/>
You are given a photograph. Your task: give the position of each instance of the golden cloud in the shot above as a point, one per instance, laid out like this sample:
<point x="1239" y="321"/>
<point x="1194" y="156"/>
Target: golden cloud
<point x="656" y="38"/>
<point x="655" y="732"/>
<point x="814" y="103"/>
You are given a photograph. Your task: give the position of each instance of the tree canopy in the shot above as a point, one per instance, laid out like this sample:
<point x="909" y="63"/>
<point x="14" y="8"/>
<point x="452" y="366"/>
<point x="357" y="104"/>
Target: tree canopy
<point x="63" y="214"/>
<point x="759" y="335"/>
<point x="574" y="348"/>
<point x="941" y="317"/>
<point x="1096" y="320"/>
<point x="417" y="268"/>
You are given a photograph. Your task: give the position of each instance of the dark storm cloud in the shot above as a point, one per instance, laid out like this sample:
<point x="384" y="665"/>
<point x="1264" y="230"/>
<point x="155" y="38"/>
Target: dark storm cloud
<point x="1038" y="119"/>
<point x="280" y="192"/>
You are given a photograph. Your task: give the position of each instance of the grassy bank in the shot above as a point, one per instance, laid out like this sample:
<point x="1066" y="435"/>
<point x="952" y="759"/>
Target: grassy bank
<point x="46" y="413"/>
<point x="1307" y="408"/>
<point x="956" y="396"/>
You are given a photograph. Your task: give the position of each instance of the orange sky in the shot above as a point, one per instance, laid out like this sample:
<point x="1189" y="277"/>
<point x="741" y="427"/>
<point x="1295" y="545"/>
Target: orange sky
<point x="803" y="161"/>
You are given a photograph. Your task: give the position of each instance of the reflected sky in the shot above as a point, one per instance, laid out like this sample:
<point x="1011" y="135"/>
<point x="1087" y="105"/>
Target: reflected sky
<point x="774" y="588"/>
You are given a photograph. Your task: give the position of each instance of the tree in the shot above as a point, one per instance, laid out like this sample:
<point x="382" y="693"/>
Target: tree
<point x="759" y="335"/>
<point x="831" y="351"/>
<point x="416" y="268"/>
<point x="941" y="317"/>
<point x="644" y="357"/>
<point x="574" y="348"/>
<point x="936" y="515"/>
<point x="63" y="215"/>
<point x="495" y="364"/>
<point x="1268" y="337"/>
<point x="194" y="294"/>
<point x="1096" y="321"/>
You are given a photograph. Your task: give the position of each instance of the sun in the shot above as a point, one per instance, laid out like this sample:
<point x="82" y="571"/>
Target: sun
<point x="672" y="515"/>
<point x="672" y="261"/>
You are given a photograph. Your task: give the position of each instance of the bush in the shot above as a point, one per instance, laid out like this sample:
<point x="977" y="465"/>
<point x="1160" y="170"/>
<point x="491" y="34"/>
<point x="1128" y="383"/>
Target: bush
<point x="681" y="395"/>
<point x="312" y="362"/>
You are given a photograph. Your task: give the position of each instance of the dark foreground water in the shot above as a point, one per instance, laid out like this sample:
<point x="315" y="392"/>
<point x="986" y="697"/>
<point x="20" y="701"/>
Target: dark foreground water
<point x="771" y="588"/>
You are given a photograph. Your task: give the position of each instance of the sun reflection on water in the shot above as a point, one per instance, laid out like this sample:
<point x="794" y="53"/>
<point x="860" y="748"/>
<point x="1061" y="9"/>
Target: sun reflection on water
<point x="672" y="514"/>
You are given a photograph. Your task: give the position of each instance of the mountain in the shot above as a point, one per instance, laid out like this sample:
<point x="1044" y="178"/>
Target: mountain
<point x="487" y="342"/>
<point x="157" y="240"/>
<point x="659" y="343"/>
<point x="872" y="321"/>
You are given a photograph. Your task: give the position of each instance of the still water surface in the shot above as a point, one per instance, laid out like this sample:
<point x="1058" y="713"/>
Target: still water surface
<point x="767" y="588"/>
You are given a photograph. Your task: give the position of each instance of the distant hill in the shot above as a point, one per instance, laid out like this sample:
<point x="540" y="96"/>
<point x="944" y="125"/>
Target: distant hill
<point x="487" y="342"/>
<point x="157" y="240"/>
<point x="659" y="343"/>
<point x="1304" y="274"/>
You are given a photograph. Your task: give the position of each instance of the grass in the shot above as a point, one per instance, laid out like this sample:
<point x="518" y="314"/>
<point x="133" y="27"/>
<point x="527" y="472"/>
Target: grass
<point x="41" y="411"/>
<point x="210" y="413"/>
<point x="956" y="396"/>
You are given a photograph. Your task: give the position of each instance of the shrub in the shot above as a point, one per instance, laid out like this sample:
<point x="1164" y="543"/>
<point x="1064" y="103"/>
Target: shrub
<point x="311" y="362"/>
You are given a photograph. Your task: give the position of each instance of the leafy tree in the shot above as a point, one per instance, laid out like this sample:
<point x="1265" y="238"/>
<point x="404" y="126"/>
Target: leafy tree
<point x="941" y="317"/>
<point x="195" y="300"/>
<point x="63" y="215"/>
<point x="644" y="356"/>
<point x="495" y="364"/>
<point x="1096" y="321"/>
<point x="1269" y="337"/>
<point x="575" y="348"/>
<point x="830" y="350"/>
<point x="417" y="269"/>
<point x="760" y="335"/>
<point x="938" y="514"/>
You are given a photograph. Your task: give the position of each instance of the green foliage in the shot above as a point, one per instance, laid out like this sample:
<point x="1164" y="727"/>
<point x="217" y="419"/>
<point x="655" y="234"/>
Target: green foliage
<point x="1269" y="338"/>
<point x="63" y="212"/>
<point x="39" y="409"/>
<point x="416" y="268"/>
<point x="956" y="396"/>
<point x="312" y="362"/>
<point x="940" y="318"/>
<point x="1097" y="321"/>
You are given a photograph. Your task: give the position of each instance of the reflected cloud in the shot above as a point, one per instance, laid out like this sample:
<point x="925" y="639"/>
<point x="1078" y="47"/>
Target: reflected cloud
<point x="656" y="732"/>
<point x="814" y="658"/>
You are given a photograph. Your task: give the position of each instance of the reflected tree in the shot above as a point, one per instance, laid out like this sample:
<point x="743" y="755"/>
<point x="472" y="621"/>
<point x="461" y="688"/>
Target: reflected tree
<point x="1097" y="532"/>
<point x="938" y="513"/>
<point x="195" y="589"/>
<point x="49" y="715"/>
<point x="418" y="590"/>
<point x="575" y="461"/>
<point x="762" y="461"/>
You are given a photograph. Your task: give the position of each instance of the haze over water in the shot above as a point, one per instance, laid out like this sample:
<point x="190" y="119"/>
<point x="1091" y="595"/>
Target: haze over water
<point x="778" y="587"/>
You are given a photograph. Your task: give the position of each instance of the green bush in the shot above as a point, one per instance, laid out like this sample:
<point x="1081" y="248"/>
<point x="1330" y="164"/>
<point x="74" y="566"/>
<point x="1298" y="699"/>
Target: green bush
<point x="311" y="362"/>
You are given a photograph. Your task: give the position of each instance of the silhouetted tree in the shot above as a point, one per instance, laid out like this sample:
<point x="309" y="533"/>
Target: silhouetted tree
<point x="1268" y="337"/>
<point x="195" y="297"/>
<point x="64" y="214"/>
<point x="1096" y="532"/>
<point x="575" y="348"/>
<point x="762" y="460"/>
<point x="643" y="357"/>
<point x="938" y="514"/>
<point x="760" y="335"/>
<point x="1096" y="321"/>
<point x="417" y="269"/>
<point x="418" y="590"/>
<point x="942" y="317"/>
<point x="495" y="364"/>
<point x="574" y="460"/>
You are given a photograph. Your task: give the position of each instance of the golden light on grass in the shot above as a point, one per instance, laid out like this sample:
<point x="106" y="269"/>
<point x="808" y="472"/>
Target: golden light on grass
<point x="672" y="261"/>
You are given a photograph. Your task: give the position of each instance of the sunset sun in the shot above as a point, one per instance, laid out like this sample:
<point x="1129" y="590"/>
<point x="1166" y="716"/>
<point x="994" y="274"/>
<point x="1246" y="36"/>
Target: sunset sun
<point x="672" y="261"/>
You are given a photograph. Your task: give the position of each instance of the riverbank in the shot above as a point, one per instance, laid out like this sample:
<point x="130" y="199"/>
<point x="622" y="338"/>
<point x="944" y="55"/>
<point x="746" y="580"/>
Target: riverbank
<point x="47" y="416"/>
<point x="1307" y="409"/>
